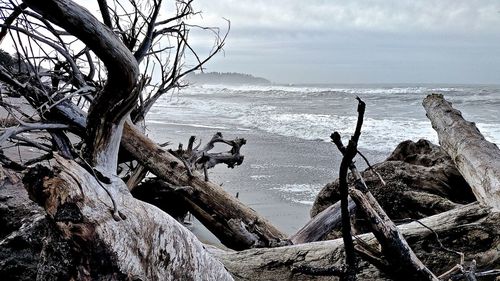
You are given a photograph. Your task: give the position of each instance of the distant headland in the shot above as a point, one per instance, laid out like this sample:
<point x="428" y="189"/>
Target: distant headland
<point x="227" y="78"/>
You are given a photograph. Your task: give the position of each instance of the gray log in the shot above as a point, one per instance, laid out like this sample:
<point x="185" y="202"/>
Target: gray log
<point x="477" y="159"/>
<point x="471" y="229"/>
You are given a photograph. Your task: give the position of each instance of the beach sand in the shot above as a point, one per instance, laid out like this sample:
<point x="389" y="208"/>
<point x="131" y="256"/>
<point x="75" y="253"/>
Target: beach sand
<point x="279" y="177"/>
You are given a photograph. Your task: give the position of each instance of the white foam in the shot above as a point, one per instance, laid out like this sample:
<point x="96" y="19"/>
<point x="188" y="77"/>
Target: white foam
<point x="186" y="125"/>
<point x="299" y="193"/>
<point x="260" y="177"/>
<point x="273" y="109"/>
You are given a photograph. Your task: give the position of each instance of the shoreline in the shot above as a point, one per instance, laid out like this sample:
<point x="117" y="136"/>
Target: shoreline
<point x="278" y="175"/>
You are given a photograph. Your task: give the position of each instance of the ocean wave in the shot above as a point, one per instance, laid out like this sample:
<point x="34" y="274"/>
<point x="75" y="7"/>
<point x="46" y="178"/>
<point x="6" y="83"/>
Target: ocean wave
<point x="299" y="193"/>
<point x="393" y="118"/>
<point x="186" y="124"/>
<point x="377" y="134"/>
<point x="324" y="89"/>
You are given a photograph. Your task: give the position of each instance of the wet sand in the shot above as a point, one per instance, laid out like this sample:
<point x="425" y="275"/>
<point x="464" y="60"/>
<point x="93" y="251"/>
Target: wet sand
<point x="279" y="177"/>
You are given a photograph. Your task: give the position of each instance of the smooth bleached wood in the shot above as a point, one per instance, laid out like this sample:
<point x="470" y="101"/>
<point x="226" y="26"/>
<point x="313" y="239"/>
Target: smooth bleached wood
<point x="146" y="244"/>
<point x="477" y="159"/>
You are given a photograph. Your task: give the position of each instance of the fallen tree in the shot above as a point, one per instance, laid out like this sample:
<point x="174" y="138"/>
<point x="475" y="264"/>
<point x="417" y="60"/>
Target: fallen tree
<point x="95" y="228"/>
<point x="477" y="159"/>
<point x="236" y="225"/>
<point x="438" y="241"/>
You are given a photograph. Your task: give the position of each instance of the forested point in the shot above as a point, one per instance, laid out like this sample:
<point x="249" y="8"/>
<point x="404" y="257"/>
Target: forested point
<point x="225" y="78"/>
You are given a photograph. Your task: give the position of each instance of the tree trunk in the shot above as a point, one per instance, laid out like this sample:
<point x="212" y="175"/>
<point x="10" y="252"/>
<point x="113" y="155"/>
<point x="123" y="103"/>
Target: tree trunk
<point x="477" y="159"/>
<point x="146" y="244"/>
<point x="472" y="230"/>
<point x="236" y="225"/>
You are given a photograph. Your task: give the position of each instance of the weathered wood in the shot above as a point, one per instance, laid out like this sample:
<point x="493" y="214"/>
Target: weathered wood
<point x="421" y="180"/>
<point x="225" y="216"/>
<point x="232" y="222"/>
<point x="472" y="230"/>
<point x="477" y="159"/>
<point x="146" y="245"/>
<point x="403" y="261"/>
<point x="237" y="226"/>
<point x="322" y="224"/>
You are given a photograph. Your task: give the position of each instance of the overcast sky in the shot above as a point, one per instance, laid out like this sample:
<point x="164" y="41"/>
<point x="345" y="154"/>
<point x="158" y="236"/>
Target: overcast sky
<point x="358" y="41"/>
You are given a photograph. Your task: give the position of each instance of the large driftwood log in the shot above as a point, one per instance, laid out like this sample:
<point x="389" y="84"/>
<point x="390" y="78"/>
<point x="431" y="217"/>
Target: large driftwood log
<point x="477" y="159"/>
<point x="472" y="230"/>
<point x="146" y="244"/>
<point x="236" y="225"/>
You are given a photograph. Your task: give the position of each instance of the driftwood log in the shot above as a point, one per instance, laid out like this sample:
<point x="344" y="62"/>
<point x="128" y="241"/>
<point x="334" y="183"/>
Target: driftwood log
<point x="97" y="230"/>
<point x="477" y="159"/>
<point x="82" y="240"/>
<point x="235" y="224"/>
<point x="472" y="230"/>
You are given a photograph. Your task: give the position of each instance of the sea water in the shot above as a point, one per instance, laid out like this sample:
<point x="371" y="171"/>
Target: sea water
<point x="307" y="115"/>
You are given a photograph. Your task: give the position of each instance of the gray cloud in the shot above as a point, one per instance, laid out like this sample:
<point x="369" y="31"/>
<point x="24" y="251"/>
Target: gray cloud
<point x="359" y="41"/>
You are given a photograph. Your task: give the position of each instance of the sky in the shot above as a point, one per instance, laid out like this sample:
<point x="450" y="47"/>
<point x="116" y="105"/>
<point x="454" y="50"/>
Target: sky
<point x="357" y="41"/>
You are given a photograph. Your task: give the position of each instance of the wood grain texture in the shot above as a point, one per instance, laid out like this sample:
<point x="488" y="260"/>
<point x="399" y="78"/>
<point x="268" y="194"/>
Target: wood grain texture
<point x="477" y="159"/>
<point x="146" y="245"/>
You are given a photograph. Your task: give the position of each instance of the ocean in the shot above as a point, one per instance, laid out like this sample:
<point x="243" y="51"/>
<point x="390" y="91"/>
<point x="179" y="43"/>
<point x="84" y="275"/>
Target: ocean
<point x="289" y="157"/>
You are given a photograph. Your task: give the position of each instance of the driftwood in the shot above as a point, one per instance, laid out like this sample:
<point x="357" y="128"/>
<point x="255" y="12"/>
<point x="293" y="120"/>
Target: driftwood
<point x="321" y="224"/>
<point x="471" y="230"/>
<point x="477" y="159"/>
<point x="96" y="229"/>
<point x="420" y="180"/>
<point x="201" y="159"/>
<point x="402" y="261"/>
<point x="146" y="244"/>
<point x="236" y="225"/>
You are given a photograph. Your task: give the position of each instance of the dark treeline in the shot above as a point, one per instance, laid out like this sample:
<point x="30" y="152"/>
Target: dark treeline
<point x="231" y="78"/>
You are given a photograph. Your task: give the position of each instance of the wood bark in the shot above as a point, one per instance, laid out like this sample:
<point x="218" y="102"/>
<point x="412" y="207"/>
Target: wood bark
<point x="146" y="244"/>
<point x="472" y="230"/>
<point x="477" y="159"/>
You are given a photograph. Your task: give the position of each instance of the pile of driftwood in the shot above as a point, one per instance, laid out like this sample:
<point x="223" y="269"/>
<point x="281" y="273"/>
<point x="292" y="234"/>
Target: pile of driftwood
<point x="84" y="214"/>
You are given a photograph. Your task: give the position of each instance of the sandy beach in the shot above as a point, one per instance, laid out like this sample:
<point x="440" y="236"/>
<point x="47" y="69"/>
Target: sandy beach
<point x="279" y="177"/>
